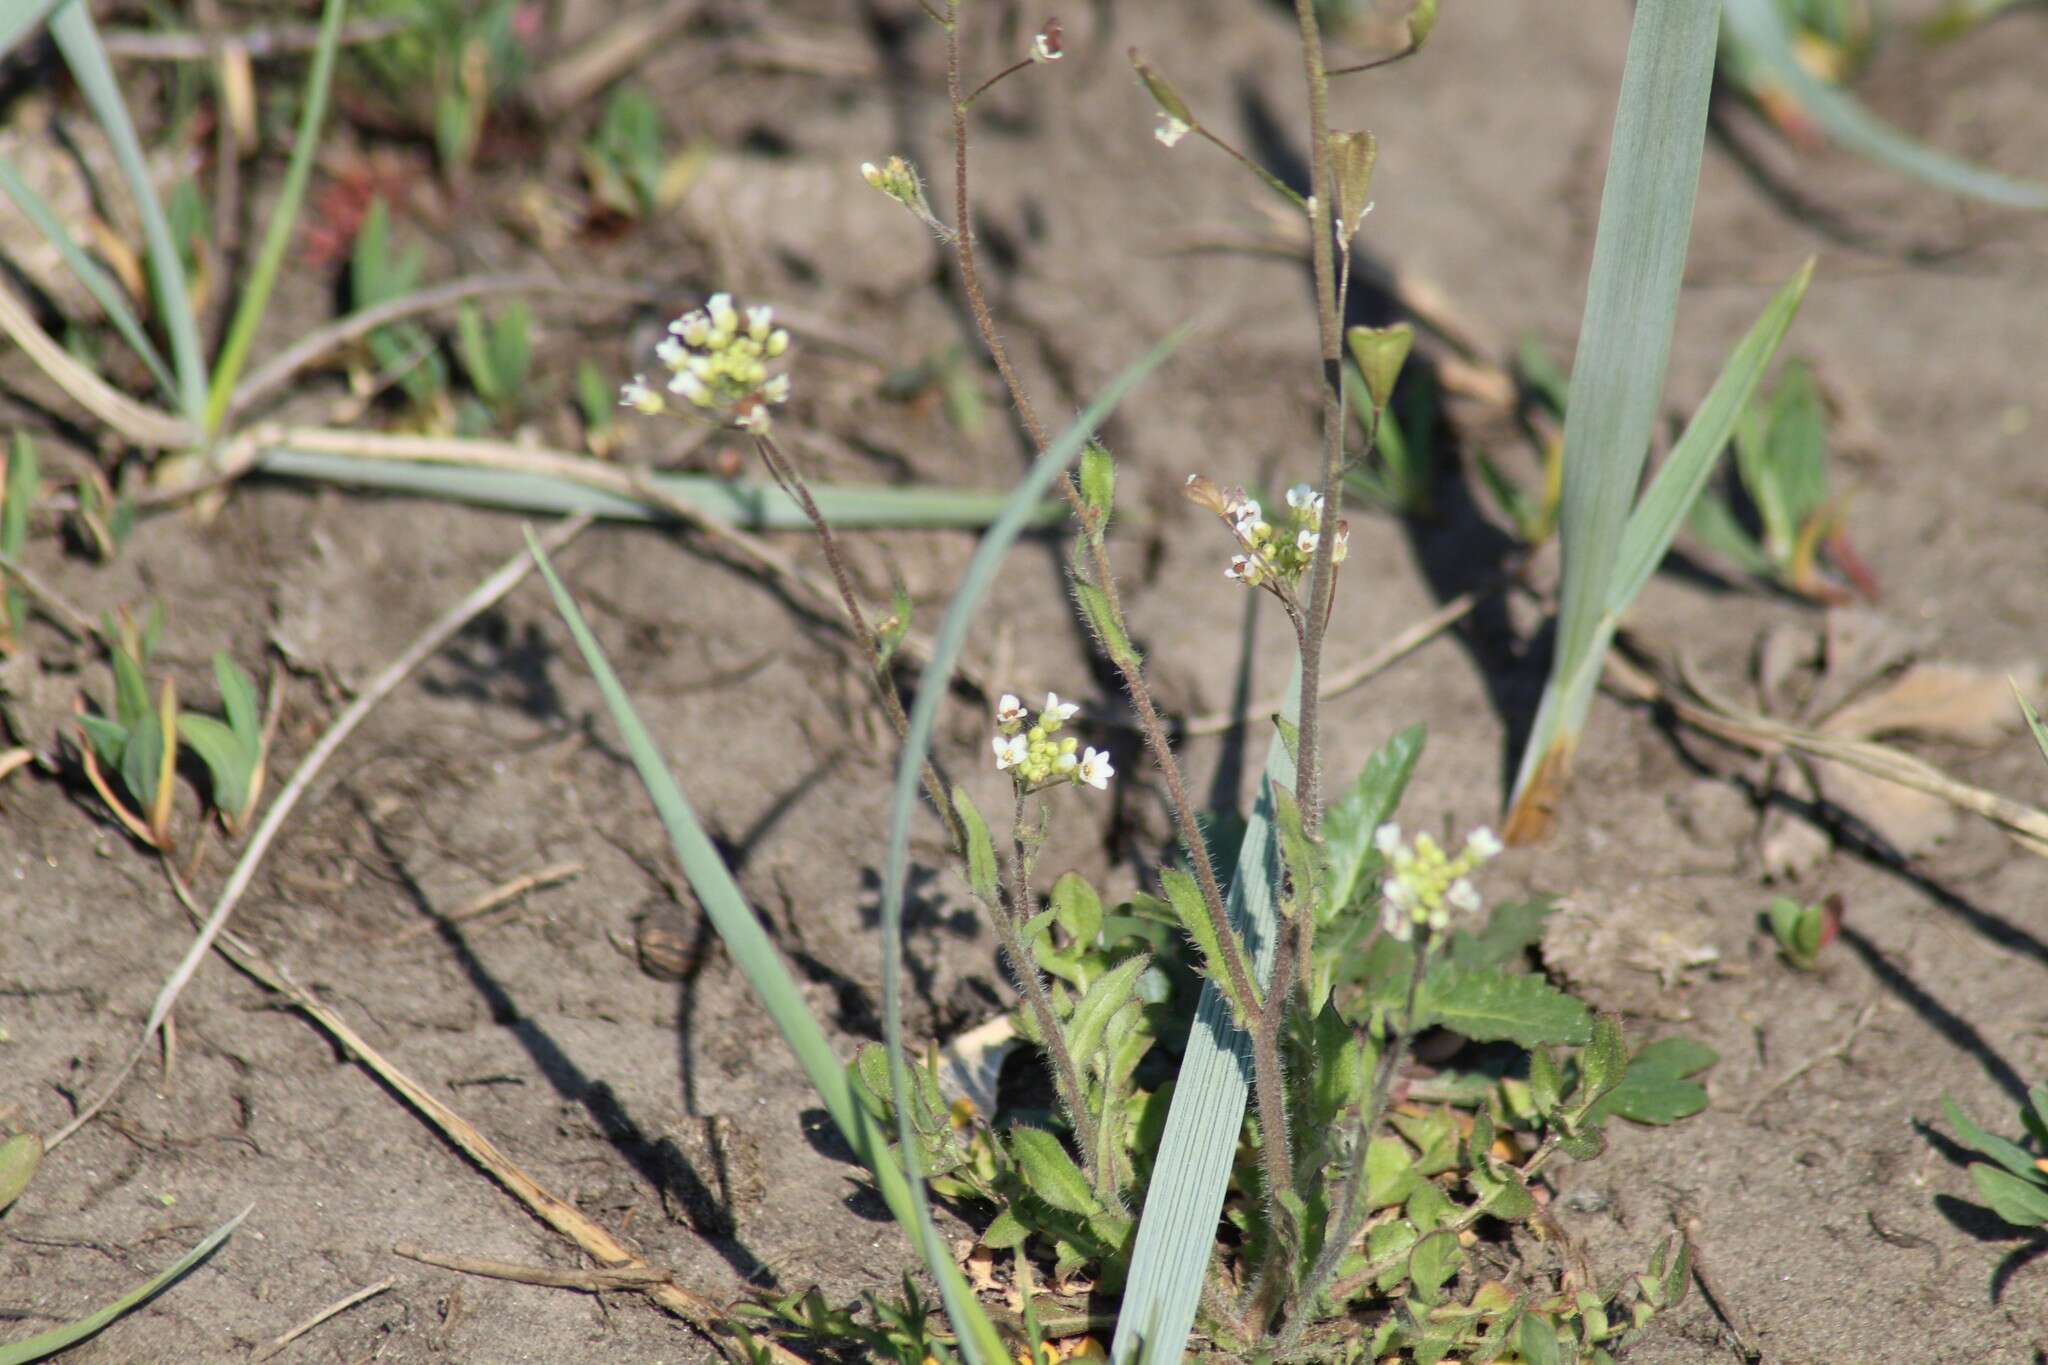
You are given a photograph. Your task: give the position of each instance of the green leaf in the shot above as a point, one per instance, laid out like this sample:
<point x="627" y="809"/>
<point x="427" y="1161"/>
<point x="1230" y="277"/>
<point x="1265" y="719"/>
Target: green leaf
<point x="476" y="354"/>
<point x="1102" y="1000"/>
<point x="71" y="1333"/>
<point x="1492" y="1006"/>
<point x="1098" y="480"/>
<point x="1502" y="1194"/>
<point x="19" y="1157"/>
<point x="1536" y="1340"/>
<point x="229" y="762"/>
<point x="108" y="739"/>
<point x="981" y="852"/>
<point x="1390" y="1173"/>
<point x="18" y="495"/>
<point x="1290" y="735"/>
<point x="2040" y="731"/>
<point x="2035" y="1115"/>
<point x="284" y="215"/>
<point x="1513" y="929"/>
<point x="142" y="760"/>
<point x="1350" y="822"/>
<point x="1077" y="908"/>
<point x="1005" y="1232"/>
<point x="1759" y="29"/>
<point x="1617" y="376"/>
<point x="1714" y="524"/>
<point x="78" y="39"/>
<point x="1050" y="1172"/>
<point x="131" y="691"/>
<point x="2010" y="1155"/>
<point x="1654" y="1090"/>
<point x="1433" y="1261"/>
<point x="1102" y="620"/>
<point x="1186" y="898"/>
<point x="1546" y="1085"/>
<point x="238" y="700"/>
<point x="1297" y="854"/>
<point x="1604" y="1061"/>
<point x="2023" y="1203"/>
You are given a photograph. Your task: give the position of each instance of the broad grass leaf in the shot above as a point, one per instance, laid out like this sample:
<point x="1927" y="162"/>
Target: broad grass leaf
<point x="229" y="762"/>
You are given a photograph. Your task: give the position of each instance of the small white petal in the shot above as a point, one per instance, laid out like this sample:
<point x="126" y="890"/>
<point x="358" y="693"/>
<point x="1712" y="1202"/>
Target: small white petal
<point x="1010" y="751"/>
<point x="1305" y="542"/>
<point x="1394" y="919"/>
<point x="1483" y="844"/>
<point x="1170" y="130"/>
<point x="1300" y="496"/>
<point x="1464" y="896"/>
<point x="1387" y="839"/>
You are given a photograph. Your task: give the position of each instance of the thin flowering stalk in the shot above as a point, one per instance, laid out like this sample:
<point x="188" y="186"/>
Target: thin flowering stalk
<point x="792" y="482"/>
<point x="1149" y="723"/>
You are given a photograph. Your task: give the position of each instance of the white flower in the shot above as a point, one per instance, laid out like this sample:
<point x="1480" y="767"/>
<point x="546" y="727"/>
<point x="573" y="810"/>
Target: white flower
<point x="1246" y="514"/>
<point x="1398" y="891"/>
<point x="760" y="319"/>
<point x="1305" y="542"/>
<point x="1396" y="921"/>
<point x="724" y="318"/>
<point x="637" y="395"/>
<point x="1342" y="545"/>
<point x="1463" y="896"/>
<point x="1042" y="49"/>
<point x="1482" y="844"/>
<point x="693" y="327"/>
<point x="1010" y="751"/>
<point x="1056" y="712"/>
<point x="871" y="173"/>
<point x="1387" y="839"/>
<point x="776" y="390"/>
<point x="1170" y="130"/>
<point x="1095" y="770"/>
<point x="690" y="387"/>
<point x="1240" y="568"/>
<point x="1009" y="711"/>
<point x="1302" y="496"/>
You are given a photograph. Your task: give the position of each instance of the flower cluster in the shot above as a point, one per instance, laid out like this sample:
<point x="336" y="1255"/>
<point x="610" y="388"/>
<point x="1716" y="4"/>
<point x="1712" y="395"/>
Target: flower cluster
<point x="1036" y="756"/>
<point x="897" y="178"/>
<point x="1427" y="884"/>
<point x="718" y="363"/>
<point x="1270" y="556"/>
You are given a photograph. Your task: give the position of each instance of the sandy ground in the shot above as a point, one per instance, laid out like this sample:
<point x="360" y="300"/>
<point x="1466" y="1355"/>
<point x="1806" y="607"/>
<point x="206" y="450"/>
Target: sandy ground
<point x="1835" y="1221"/>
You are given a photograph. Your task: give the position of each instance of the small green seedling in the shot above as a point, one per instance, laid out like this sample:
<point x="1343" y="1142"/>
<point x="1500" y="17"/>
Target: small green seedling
<point x="2015" y="1181"/>
<point x="627" y="161"/>
<point x="457" y="58"/>
<point x="138" y="743"/>
<point x="1802" y="931"/>
<point x="1781" y="470"/>
<point x="497" y="356"/>
<point x="101" y="519"/>
<point x="597" y="400"/>
<point x="400" y="351"/>
<point x="18" y="485"/>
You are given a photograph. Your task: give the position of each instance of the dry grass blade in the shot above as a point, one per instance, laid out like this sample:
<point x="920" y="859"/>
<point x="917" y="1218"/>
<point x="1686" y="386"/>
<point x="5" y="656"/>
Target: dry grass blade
<point x="1713" y="715"/>
<point x="591" y="1281"/>
<point x="75" y="625"/>
<point x="439" y="633"/>
<point x="143" y="425"/>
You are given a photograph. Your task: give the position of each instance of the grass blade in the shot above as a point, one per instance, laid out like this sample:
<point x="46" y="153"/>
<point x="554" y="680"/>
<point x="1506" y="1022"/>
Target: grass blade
<point x="1624" y="346"/>
<point x="277" y="236"/>
<point x="757" y="959"/>
<point x="77" y="38"/>
<point x="24" y="20"/>
<point x="71" y="1333"/>
<point x="952" y="635"/>
<point x="1177" y="1229"/>
<point x="1664" y="506"/>
<point x="96" y="281"/>
<point x="1759" y="28"/>
<point x="757" y="506"/>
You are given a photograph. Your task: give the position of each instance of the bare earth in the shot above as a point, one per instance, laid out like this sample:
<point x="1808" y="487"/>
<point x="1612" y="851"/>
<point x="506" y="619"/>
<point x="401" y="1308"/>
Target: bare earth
<point x="1835" y="1222"/>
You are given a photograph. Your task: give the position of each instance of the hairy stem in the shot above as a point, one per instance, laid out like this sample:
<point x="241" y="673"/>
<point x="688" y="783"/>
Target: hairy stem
<point x="792" y="482"/>
<point x="1352" y="1204"/>
<point x="1024" y="967"/>
<point x="1149" y="723"/>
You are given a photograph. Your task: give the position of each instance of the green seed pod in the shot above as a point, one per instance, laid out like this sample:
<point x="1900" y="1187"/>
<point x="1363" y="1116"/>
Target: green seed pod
<point x="1380" y="353"/>
<point x="1351" y="160"/>
<point x="1163" y="94"/>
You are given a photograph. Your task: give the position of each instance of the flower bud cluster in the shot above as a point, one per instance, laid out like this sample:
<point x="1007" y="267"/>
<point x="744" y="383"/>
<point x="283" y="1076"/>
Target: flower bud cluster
<point x="1036" y="755"/>
<point x="897" y="178"/>
<point x="718" y="364"/>
<point x="1269" y="555"/>
<point x="1425" y="883"/>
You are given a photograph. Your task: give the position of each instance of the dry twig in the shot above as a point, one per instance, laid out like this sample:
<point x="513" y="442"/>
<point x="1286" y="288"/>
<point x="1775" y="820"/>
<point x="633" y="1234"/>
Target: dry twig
<point x="265" y="1352"/>
<point x="492" y="899"/>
